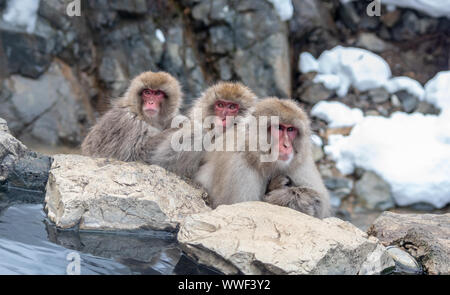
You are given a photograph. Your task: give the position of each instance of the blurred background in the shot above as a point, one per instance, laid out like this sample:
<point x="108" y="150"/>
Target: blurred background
<point x="383" y="146"/>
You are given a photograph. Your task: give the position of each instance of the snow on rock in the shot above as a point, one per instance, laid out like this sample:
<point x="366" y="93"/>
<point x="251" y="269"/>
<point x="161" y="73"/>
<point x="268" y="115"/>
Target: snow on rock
<point x="160" y="35"/>
<point x="284" y="8"/>
<point x="22" y="13"/>
<point x="435" y="8"/>
<point x="307" y="63"/>
<point x="347" y="66"/>
<point x="409" y="151"/>
<point x="437" y="91"/>
<point x="405" y="83"/>
<point x="337" y="114"/>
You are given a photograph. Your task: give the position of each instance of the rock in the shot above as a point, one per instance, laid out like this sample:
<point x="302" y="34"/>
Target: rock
<point x="404" y="262"/>
<point x="134" y="6"/>
<point x="374" y="192"/>
<point x="104" y="194"/>
<point x="312" y="93"/>
<point x="21" y="168"/>
<point x="379" y="95"/>
<point x="425" y="236"/>
<point x="27" y="55"/>
<point x="349" y="15"/>
<point x="340" y="186"/>
<point x="260" y="238"/>
<point x="3" y="126"/>
<point x="409" y="102"/>
<point x="372" y="42"/>
<point x="308" y="16"/>
<point x="389" y="19"/>
<point x="53" y="109"/>
<point x="408" y="28"/>
<point x="427" y="108"/>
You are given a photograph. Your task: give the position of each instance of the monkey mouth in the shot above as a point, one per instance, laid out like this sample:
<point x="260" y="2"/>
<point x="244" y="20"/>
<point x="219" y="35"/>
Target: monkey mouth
<point x="151" y="112"/>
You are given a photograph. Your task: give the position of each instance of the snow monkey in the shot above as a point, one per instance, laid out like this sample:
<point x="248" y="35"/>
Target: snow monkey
<point x="291" y="177"/>
<point x="147" y="108"/>
<point x="225" y="103"/>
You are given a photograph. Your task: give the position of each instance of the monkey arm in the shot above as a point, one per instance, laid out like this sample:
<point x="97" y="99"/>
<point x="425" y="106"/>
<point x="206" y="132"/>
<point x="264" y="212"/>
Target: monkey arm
<point x="302" y="189"/>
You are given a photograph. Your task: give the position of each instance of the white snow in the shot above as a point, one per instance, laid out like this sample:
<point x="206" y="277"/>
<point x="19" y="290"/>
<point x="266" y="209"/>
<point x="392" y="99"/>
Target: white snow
<point x="435" y="8"/>
<point x="410" y="152"/>
<point x="332" y="82"/>
<point x="307" y="63"/>
<point x="22" y="13"/>
<point x="347" y="66"/>
<point x="317" y="140"/>
<point x="284" y="8"/>
<point x="437" y="91"/>
<point x="405" y="83"/>
<point x="160" y="35"/>
<point x="337" y="114"/>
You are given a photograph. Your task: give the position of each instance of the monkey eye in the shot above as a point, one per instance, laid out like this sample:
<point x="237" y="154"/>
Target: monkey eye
<point x="158" y="92"/>
<point x="147" y="92"/>
<point x="220" y="105"/>
<point x="280" y="127"/>
<point x="232" y="106"/>
<point x="290" y="129"/>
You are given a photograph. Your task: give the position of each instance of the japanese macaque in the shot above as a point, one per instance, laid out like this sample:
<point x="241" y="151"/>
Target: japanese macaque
<point x="147" y="108"/>
<point x="226" y="103"/>
<point x="291" y="176"/>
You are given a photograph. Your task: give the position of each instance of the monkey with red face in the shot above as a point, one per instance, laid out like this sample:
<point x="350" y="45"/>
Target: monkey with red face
<point x="147" y="108"/>
<point x="290" y="175"/>
<point x="226" y="102"/>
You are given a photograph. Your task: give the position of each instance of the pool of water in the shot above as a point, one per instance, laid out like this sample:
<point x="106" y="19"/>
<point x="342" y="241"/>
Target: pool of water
<point x="30" y="244"/>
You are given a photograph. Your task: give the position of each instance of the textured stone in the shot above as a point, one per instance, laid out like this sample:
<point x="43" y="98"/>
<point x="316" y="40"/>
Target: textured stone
<point x="105" y="194"/>
<point x="260" y="238"/>
<point x="425" y="236"/>
<point x="374" y="192"/>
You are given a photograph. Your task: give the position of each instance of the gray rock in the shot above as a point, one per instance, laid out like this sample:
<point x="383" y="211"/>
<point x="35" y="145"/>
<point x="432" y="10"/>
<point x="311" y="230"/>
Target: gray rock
<point x="374" y="192"/>
<point x="409" y="102"/>
<point x="372" y="42"/>
<point x="379" y="95"/>
<point x="221" y="39"/>
<point x="427" y="108"/>
<point x="53" y="109"/>
<point x="26" y="54"/>
<point x="425" y="236"/>
<point x="104" y="194"/>
<point x="408" y="28"/>
<point x="312" y="93"/>
<point x="21" y="168"/>
<point x="260" y="238"/>
<point x="308" y="16"/>
<point x="3" y="126"/>
<point x="339" y="187"/>
<point x="133" y="6"/>
<point x="404" y="262"/>
<point x="349" y="15"/>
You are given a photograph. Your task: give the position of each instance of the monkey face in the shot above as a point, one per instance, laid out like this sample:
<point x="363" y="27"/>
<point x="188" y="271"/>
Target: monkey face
<point x="283" y="136"/>
<point x="151" y="101"/>
<point x="225" y="111"/>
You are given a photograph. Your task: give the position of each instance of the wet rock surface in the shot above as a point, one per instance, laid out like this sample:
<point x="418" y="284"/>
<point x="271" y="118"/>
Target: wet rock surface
<point x="424" y="236"/>
<point x="105" y="194"/>
<point x="260" y="238"/>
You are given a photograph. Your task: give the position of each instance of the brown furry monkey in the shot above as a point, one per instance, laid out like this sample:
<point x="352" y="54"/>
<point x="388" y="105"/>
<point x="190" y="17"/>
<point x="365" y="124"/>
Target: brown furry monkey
<point x="147" y="107"/>
<point x="227" y="102"/>
<point x="239" y="176"/>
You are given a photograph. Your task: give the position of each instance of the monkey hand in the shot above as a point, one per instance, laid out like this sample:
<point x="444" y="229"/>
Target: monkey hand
<point x="278" y="182"/>
<point x="302" y="199"/>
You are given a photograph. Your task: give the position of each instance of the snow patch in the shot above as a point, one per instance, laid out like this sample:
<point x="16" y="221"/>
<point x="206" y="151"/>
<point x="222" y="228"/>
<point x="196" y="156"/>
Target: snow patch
<point x="337" y="114"/>
<point x="409" y="151"/>
<point x="160" y="35"/>
<point x="352" y="66"/>
<point x="434" y="8"/>
<point x="22" y="13"/>
<point x="405" y="83"/>
<point x="437" y="91"/>
<point x="284" y="8"/>
<point x="307" y="63"/>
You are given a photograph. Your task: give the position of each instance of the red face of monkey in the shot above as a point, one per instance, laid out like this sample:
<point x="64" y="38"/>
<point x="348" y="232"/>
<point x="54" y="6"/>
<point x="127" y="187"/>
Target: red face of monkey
<point x="285" y="134"/>
<point x="151" y="101"/>
<point x="224" y="109"/>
